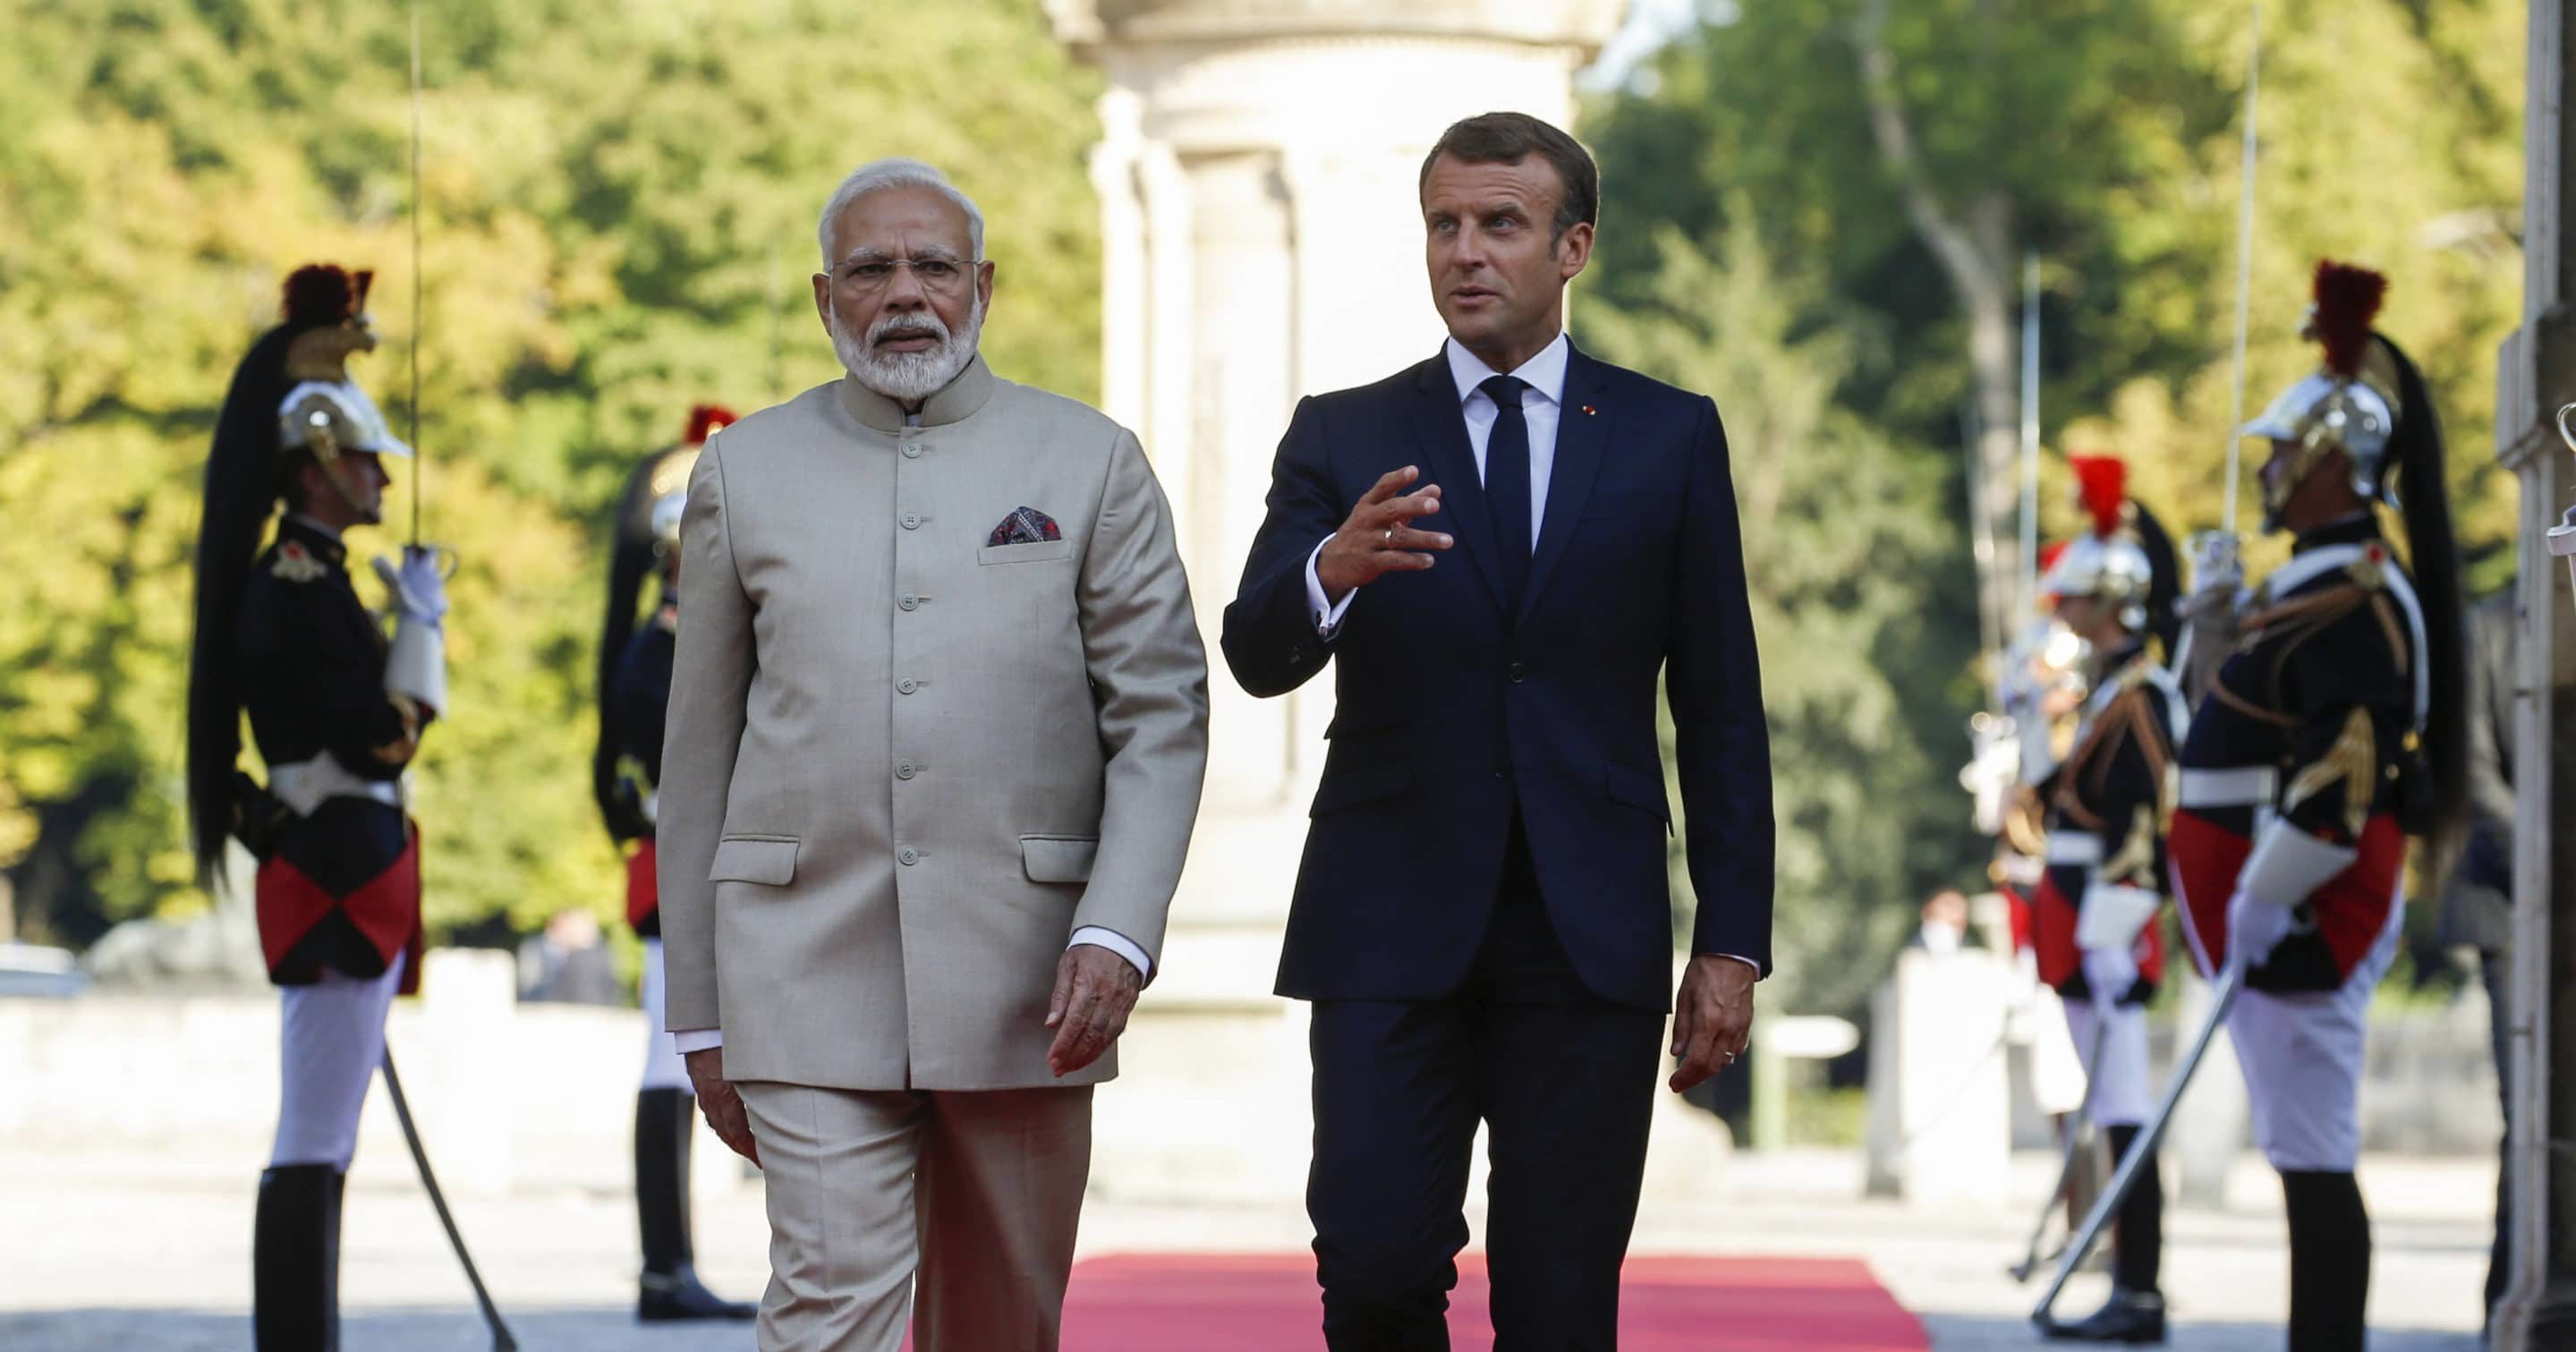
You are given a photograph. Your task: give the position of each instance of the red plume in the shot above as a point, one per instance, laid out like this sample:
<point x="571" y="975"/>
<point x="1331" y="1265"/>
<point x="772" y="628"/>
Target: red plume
<point x="704" y="420"/>
<point x="2348" y="299"/>
<point x="317" y="293"/>
<point x="2102" y="485"/>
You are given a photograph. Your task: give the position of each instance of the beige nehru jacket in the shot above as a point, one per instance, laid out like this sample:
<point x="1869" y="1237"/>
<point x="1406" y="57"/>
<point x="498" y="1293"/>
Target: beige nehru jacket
<point x="903" y="765"/>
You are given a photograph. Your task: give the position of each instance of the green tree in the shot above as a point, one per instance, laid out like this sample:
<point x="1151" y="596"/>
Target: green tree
<point x="1843" y="530"/>
<point x="618" y="207"/>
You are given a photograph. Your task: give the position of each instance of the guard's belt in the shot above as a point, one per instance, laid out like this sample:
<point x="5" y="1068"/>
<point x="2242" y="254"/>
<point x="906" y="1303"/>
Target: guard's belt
<point x="303" y="785"/>
<point x="2244" y="786"/>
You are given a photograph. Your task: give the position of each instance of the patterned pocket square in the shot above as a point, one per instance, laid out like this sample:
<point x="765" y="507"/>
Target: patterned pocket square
<point x="1024" y="526"/>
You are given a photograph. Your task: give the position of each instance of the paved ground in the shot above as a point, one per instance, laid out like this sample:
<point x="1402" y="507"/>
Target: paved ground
<point x="148" y="1256"/>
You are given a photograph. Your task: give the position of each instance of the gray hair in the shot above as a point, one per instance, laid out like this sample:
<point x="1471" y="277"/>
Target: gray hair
<point x="896" y="172"/>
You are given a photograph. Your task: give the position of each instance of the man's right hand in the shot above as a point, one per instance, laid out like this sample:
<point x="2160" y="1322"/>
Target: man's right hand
<point x="723" y="1107"/>
<point x="1379" y="537"/>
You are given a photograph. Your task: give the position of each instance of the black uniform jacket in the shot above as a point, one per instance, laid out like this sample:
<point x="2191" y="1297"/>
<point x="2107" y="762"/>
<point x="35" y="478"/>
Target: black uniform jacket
<point x="2106" y="818"/>
<point x="641" y="693"/>
<point x="2307" y="729"/>
<point x="340" y="888"/>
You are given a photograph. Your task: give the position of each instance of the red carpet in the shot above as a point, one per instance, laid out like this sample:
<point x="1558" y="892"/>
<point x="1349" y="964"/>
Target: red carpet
<point x="1209" y="1303"/>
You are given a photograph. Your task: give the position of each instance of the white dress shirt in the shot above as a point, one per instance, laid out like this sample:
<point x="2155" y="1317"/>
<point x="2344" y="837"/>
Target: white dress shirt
<point x="1542" y="407"/>
<point x="701" y="1039"/>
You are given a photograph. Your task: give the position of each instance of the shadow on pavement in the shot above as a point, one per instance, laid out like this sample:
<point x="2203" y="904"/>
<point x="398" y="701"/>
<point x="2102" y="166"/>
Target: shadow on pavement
<point x="1960" y="1333"/>
<point x="557" y="1329"/>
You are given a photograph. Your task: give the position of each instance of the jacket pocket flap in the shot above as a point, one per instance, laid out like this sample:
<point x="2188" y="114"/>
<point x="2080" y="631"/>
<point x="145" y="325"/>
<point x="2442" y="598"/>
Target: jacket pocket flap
<point x="770" y="860"/>
<point x="1366" y="783"/>
<point x="1032" y="551"/>
<point x="1058" y="859"/>
<point x="1637" y="788"/>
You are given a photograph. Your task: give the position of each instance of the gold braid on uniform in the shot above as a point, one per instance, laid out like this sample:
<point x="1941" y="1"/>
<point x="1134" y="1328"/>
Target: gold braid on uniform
<point x="2353" y="762"/>
<point x="2305" y="616"/>
<point x="2134" y="864"/>
<point x="400" y="750"/>
<point x="2126" y="716"/>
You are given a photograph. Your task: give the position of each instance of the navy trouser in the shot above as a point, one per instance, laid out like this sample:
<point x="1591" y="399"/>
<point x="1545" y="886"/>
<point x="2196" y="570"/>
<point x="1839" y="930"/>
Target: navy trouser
<point x="1565" y="1083"/>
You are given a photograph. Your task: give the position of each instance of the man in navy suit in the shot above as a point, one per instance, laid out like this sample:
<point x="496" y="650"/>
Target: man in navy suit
<point x="1482" y="919"/>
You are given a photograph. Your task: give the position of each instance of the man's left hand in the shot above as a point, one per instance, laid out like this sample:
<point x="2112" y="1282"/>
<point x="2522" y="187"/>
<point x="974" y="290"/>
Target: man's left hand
<point x="1094" y="991"/>
<point x="1712" y="1018"/>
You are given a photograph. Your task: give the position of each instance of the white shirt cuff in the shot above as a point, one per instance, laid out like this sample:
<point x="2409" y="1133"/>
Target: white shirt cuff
<point x="1328" y="614"/>
<point x="698" y="1040"/>
<point x="1757" y="967"/>
<point x="1117" y="943"/>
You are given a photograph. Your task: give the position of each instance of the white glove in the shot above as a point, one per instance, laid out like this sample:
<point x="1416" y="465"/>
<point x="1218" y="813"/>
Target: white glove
<point x="2110" y="972"/>
<point x="419" y="585"/>
<point x="2254" y="928"/>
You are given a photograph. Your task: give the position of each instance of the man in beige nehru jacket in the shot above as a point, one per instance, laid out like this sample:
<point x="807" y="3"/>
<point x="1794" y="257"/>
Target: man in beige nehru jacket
<point x="937" y="729"/>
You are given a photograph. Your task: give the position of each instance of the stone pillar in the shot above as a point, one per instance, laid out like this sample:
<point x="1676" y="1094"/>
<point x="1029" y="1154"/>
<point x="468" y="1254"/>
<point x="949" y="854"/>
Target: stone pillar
<point x="1262" y="243"/>
<point x="2536" y="373"/>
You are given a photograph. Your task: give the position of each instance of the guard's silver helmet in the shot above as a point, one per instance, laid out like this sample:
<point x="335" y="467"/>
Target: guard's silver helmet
<point x="2108" y="563"/>
<point x="329" y="417"/>
<point x="2350" y="402"/>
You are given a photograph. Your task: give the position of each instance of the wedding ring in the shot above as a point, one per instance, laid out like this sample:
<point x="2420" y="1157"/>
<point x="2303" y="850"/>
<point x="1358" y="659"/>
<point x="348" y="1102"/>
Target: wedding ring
<point x="1388" y="540"/>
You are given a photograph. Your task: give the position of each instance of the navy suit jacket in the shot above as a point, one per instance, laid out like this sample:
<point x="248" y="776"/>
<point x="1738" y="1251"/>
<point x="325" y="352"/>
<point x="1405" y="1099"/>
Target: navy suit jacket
<point x="1451" y="711"/>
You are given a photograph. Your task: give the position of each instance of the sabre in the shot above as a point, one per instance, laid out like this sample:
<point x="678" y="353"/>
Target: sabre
<point x="2030" y="1259"/>
<point x="2142" y="1149"/>
<point x="2029" y="436"/>
<point x="2244" y="265"/>
<point x="420" y="457"/>
<point x="501" y="1339"/>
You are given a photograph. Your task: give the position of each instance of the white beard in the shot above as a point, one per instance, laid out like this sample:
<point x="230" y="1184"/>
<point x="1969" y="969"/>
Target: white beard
<point x="908" y="377"/>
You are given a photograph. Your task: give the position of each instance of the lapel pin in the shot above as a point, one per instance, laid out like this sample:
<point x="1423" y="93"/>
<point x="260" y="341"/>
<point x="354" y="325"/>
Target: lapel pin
<point x="1588" y="410"/>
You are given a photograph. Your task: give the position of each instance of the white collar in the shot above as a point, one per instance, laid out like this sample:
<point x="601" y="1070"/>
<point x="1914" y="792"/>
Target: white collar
<point x="1544" y="372"/>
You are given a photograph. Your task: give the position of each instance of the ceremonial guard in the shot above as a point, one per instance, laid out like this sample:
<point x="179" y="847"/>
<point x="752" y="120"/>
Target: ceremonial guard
<point x="338" y="712"/>
<point x="2332" y="732"/>
<point x="634" y="694"/>
<point x="2095" y="916"/>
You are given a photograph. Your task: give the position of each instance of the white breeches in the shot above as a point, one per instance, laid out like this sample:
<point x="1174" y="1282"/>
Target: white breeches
<point x="2302" y="1055"/>
<point x="331" y="1039"/>
<point x="663" y="1068"/>
<point x="2117" y="1090"/>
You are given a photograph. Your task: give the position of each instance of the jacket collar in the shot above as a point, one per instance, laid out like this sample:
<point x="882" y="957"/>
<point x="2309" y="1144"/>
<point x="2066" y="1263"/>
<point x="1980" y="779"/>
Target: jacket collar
<point x="957" y="401"/>
<point x="319" y="543"/>
<point x="2359" y="528"/>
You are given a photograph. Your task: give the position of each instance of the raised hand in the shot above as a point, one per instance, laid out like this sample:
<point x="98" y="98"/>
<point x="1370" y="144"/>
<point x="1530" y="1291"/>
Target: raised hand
<point x="1379" y="536"/>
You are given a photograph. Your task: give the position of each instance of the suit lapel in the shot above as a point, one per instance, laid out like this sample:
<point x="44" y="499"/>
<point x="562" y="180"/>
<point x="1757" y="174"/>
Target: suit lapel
<point x="1449" y="461"/>
<point x="1582" y="434"/>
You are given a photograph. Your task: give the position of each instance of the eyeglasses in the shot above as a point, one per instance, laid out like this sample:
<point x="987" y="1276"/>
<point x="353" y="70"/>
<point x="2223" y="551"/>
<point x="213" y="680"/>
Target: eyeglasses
<point x="936" y="274"/>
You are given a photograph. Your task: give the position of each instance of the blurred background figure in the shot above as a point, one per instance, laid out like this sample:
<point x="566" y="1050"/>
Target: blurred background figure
<point x="567" y="963"/>
<point x="634" y="695"/>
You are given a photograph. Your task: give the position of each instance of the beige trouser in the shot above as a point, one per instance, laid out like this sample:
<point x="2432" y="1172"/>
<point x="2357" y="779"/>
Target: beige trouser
<point x="978" y="1194"/>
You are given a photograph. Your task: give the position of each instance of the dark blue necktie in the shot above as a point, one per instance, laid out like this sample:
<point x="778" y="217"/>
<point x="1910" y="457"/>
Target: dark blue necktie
<point x="1507" y="484"/>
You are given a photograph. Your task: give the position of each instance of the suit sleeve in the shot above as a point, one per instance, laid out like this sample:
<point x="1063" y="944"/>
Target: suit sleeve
<point x="1140" y="642"/>
<point x="1722" y="742"/>
<point x="1269" y="637"/>
<point x="711" y="669"/>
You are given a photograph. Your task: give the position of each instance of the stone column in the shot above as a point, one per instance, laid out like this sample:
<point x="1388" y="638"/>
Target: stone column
<point x="1262" y="243"/>
<point x="2536" y="373"/>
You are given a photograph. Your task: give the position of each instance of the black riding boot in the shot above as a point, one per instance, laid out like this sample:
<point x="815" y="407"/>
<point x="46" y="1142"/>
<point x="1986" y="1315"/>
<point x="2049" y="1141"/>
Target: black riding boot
<point x="2329" y="1261"/>
<point x="2136" y="1311"/>
<point x="295" y="1260"/>
<point x="669" y="1288"/>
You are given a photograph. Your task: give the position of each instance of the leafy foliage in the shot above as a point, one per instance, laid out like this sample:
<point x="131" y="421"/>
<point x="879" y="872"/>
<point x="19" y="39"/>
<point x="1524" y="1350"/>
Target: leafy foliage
<point x="2103" y="135"/>
<point x="618" y="213"/>
<point x="1842" y="536"/>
